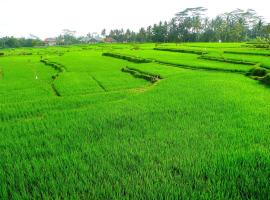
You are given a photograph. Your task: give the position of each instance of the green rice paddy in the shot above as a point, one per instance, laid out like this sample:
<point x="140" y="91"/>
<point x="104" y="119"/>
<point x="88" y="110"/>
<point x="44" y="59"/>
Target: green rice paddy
<point x="78" y="124"/>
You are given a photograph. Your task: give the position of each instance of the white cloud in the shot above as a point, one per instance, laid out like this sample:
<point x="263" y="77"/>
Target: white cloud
<point x="48" y="17"/>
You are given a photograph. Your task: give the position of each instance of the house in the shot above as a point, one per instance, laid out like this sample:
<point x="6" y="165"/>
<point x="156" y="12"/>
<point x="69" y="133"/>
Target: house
<point x="50" y="41"/>
<point x="109" y="40"/>
<point x="99" y="38"/>
<point x="91" y="39"/>
<point x="85" y="39"/>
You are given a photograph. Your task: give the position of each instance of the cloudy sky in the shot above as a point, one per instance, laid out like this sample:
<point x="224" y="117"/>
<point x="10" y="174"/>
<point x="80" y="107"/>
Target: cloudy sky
<point x="47" y="18"/>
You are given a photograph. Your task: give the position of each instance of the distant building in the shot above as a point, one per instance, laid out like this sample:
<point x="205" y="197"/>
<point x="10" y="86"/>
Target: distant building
<point x="50" y="41"/>
<point x="99" y="38"/>
<point x="109" y="40"/>
<point x="85" y="40"/>
<point x="92" y="39"/>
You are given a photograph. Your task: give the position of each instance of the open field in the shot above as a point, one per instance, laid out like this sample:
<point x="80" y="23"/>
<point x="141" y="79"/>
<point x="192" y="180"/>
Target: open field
<point x="135" y="121"/>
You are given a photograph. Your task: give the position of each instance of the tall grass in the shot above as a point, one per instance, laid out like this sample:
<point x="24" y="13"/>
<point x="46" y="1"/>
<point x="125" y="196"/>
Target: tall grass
<point x="197" y="134"/>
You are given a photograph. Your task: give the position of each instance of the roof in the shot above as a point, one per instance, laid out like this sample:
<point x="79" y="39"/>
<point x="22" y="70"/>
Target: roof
<point x="109" y="39"/>
<point x="50" y="40"/>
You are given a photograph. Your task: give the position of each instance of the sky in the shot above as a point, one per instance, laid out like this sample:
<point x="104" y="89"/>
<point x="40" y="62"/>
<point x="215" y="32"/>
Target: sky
<point x="47" y="18"/>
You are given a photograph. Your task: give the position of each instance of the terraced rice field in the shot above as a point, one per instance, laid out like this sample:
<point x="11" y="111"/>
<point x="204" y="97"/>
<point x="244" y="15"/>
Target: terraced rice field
<point x="135" y="121"/>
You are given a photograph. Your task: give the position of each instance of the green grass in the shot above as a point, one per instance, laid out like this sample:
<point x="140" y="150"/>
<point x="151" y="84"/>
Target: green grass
<point x="24" y="78"/>
<point x="105" y="70"/>
<point x="193" y="134"/>
<point x="187" y="60"/>
<point x="263" y="60"/>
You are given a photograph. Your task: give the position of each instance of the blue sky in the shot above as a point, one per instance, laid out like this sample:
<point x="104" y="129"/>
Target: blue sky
<point x="47" y="18"/>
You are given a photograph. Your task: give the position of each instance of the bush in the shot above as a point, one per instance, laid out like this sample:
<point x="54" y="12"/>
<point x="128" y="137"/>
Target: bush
<point x="2" y="53"/>
<point x="25" y="54"/>
<point x="259" y="40"/>
<point x="182" y="51"/>
<point x="258" y="71"/>
<point x="56" y="66"/>
<point x="128" y="58"/>
<point x="248" y="53"/>
<point x="136" y="47"/>
<point x="266" y="79"/>
<point x="261" y="46"/>
<point x="227" y="60"/>
<point x="139" y="74"/>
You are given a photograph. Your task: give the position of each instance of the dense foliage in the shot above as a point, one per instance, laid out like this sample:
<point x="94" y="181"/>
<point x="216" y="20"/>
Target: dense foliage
<point x="12" y="42"/>
<point x="192" y="25"/>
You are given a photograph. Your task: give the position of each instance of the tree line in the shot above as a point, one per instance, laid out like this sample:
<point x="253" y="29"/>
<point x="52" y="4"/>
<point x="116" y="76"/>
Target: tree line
<point x="189" y="25"/>
<point x="12" y="42"/>
<point x="192" y="25"/>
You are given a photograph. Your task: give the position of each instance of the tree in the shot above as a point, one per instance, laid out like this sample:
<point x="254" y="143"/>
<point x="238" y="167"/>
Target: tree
<point x="12" y="42"/>
<point x="159" y="32"/>
<point x="190" y="23"/>
<point x="128" y="35"/>
<point x="68" y="37"/>
<point x="142" y="35"/>
<point x="149" y="34"/>
<point x="103" y="32"/>
<point x="173" y="31"/>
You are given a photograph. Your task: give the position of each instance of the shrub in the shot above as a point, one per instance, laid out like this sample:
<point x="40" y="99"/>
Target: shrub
<point x="139" y="74"/>
<point x="182" y="51"/>
<point x="56" y="66"/>
<point x="128" y="58"/>
<point x="136" y="47"/>
<point x="257" y="71"/>
<point x="266" y="79"/>
<point x="227" y="60"/>
<point x="25" y="54"/>
<point x="2" y="53"/>
<point x="248" y="53"/>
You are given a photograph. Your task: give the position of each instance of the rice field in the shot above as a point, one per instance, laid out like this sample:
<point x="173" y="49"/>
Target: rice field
<point x="100" y="122"/>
